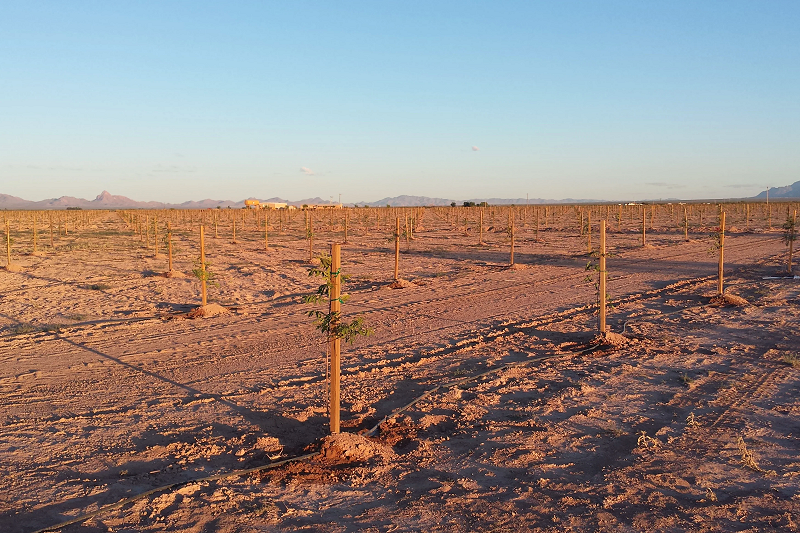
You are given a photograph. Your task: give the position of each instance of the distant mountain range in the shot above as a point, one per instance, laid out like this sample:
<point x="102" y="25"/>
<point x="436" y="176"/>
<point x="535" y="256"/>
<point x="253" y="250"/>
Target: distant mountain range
<point x="790" y="191"/>
<point x="106" y="200"/>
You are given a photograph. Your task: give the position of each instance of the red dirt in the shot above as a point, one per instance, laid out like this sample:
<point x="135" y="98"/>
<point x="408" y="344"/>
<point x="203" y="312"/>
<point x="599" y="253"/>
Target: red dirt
<point x="107" y="391"/>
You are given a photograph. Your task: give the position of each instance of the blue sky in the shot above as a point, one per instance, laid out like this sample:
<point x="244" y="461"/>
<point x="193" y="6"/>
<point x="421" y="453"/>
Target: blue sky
<point x="174" y="101"/>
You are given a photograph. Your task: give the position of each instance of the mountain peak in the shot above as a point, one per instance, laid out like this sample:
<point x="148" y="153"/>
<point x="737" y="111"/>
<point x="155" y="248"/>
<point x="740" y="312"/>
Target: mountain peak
<point x="105" y="195"/>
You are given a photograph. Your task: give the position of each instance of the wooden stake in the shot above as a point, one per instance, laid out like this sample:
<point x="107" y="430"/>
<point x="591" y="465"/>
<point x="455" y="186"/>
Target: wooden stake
<point x="8" y="246"/>
<point x="310" y="233"/>
<point x="333" y="341"/>
<point x="644" y="225"/>
<point x="397" y="250"/>
<point x="234" y="227"/>
<point x="791" y="240"/>
<point x="685" y="225"/>
<point x="721" y="251"/>
<point x="51" y="230"/>
<point x="203" y="266"/>
<point x="34" y="233"/>
<point x="602" y="287"/>
<point x="266" y="230"/>
<point x="480" y="228"/>
<point x="346" y="223"/>
<point x="589" y="230"/>
<point x="169" y="245"/>
<point x="155" y="236"/>
<point x="511" y="231"/>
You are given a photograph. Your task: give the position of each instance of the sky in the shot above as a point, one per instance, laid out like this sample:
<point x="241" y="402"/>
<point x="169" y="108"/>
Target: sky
<point x="186" y="100"/>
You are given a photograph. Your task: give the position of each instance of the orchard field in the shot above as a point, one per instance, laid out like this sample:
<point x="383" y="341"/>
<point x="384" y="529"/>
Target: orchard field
<point x="496" y="410"/>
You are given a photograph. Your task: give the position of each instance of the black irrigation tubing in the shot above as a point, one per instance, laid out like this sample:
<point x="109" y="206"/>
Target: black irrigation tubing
<point x="171" y="487"/>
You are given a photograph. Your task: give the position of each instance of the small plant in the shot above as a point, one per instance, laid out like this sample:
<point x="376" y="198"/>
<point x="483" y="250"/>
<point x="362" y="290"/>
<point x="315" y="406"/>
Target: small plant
<point x="748" y="460"/>
<point x="203" y="273"/>
<point x="791" y="359"/>
<point x="330" y="323"/>
<point x="98" y="287"/>
<point x="646" y="442"/>
<point x="691" y="421"/>
<point x="22" y="329"/>
<point x="789" y="236"/>
<point x="686" y="380"/>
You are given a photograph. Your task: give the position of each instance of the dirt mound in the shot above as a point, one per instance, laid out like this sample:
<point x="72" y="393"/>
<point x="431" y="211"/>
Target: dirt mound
<point x="608" y="340"/>
<point x="206" y="311"/>
<point x="350" y="448"/>
<point x="728" y="300"/>
<point x="174" y="274"/>
<point x="12" y="267"/>
<point x="400" y="284"/>
<point x="516" y="266"/>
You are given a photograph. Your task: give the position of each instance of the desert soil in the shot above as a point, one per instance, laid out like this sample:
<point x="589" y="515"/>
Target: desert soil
<point x="108" y="389"/>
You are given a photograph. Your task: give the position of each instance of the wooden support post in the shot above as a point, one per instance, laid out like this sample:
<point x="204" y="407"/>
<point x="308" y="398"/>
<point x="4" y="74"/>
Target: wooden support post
<point x="589" y="230"/>
<point x="203" y="293"/>
<point x="310" y="234"/>
<point x="333" y="341"/>
<point x="169" y="245"/>
<point x="397" y="249"/>
<point x="721" y="251"/>
<point x="480" y="228"/>
<point x="234" y="227"/>
<point x="34" y="233"/>
<point x="146" y="231"/>
<point x="602" y="287"/>
<point x="8" y="246"/>
<point x="346" y="223"/>
<point x="511" y="233"/>
<point x="644" y="226"/>
<point x="266" y="230"/>
<point x="685" y="224"/>
<point x="536" y="235"/>
<point x="51" y="231"/>
<point x="155" y="236"/>
<point x="747" y="217"/>
<point x="792" y="230"/>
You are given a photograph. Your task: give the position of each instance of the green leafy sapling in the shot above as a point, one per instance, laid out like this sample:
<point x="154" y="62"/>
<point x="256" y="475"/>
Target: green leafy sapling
<point x="203" y="272"/>
<point x="331" y="323"/>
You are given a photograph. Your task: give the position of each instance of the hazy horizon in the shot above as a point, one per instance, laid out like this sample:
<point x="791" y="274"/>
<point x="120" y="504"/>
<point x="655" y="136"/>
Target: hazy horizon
<point x="610" y="101"/>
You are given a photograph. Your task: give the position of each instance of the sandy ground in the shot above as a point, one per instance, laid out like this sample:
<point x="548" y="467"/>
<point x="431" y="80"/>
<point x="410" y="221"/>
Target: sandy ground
<point x="108" y="390"/>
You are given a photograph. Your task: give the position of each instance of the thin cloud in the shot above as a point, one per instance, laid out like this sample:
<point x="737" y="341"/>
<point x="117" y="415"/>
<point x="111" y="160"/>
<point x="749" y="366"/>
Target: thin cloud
<point x="475" y="148"/>
<point x="307" y="171"/>
<point x="665" y="185"/>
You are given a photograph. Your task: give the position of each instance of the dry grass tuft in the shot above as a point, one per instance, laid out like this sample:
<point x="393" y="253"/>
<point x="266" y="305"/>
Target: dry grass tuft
<point x="749" y="461"/>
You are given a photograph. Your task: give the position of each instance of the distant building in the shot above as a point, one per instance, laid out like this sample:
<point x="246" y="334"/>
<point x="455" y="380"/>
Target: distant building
<point x="275" y="205"/>
<point x="252" y="204"/>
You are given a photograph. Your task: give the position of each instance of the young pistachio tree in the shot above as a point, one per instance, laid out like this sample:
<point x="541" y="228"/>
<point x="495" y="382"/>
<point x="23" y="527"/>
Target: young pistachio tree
<point x="789" y="236"/>
<point x="331" y="323"/>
